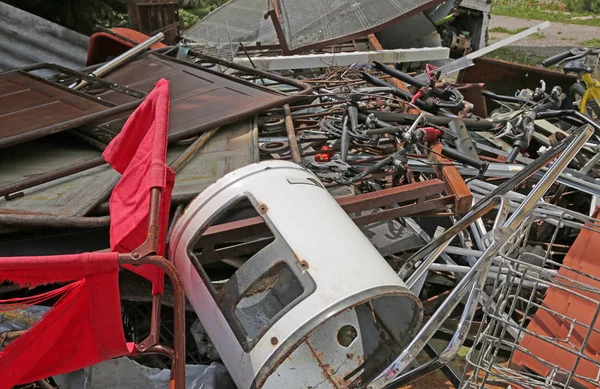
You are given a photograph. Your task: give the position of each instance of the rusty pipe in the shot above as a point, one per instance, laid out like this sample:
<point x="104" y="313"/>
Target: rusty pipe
<point x="291" y="133"/>
<point x="178" y="355"/>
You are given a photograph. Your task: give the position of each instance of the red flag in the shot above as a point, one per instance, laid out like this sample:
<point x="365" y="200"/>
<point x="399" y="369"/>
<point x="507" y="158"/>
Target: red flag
<point x="83" y="328"/>
<point x="139" y="154"/>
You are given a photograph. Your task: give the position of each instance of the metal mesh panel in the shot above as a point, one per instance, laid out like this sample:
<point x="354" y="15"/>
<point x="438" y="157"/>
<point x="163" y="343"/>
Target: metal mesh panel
<point x="310" y="22"/>
<point x="234" y="22"/>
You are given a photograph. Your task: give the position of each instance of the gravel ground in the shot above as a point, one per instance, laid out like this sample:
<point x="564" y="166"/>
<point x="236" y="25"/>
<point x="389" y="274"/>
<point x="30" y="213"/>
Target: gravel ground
<point x="557" y="38"/>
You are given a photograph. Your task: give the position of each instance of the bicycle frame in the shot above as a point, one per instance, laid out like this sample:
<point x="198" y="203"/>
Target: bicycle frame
<point x="593" y="91"/>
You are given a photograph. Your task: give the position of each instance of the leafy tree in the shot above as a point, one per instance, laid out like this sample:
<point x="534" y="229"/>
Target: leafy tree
<point x="78" y="15"/>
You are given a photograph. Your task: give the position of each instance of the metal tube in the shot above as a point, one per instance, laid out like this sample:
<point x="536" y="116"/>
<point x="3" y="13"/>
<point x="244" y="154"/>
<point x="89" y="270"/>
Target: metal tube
<point x="462" y="251"/>
<point x="446" y="236"/>
<point x="291" y="134"/>
<point x="584" y="133"/>
<point x="121" y="59"/>
<point x="178" y="352"/>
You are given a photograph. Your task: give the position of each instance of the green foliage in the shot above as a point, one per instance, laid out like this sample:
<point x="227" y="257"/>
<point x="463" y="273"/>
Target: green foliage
<point x="187" y="19"/>
<point x="202" y="8"/>
<point x="583" y="5"/>
<point x="595" y="42"/>
<point x="505" y="30"/>
<point x="551" y="10"/>
<point x="78" y="15"/>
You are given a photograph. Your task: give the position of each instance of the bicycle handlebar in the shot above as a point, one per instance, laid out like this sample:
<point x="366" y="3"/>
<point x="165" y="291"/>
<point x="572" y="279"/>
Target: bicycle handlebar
<point x="557" y="58"/>
<point x="572" y="54"/>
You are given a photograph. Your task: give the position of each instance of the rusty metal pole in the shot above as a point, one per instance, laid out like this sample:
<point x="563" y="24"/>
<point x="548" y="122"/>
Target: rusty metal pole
<point x="178" y="352"/>
<point x="291" y="133"/>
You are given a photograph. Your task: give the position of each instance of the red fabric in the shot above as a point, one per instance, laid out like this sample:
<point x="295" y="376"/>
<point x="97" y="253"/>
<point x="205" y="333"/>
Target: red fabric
<point x="139" y="154"/>
<point x="83" y="328"/>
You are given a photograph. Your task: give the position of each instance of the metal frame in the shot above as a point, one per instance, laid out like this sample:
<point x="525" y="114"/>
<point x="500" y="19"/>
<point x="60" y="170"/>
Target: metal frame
<point x="143" y="256"/>
<point x="275" y="16"/>
<point x="357" y="205"/>
<point x="112" y="110"/>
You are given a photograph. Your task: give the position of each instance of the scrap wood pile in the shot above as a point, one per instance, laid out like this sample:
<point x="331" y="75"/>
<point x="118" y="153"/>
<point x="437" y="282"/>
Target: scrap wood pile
<point x="330" y="226"/>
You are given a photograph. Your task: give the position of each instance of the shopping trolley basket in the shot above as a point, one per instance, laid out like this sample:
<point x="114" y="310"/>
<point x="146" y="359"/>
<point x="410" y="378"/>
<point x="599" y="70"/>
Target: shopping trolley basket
<point x="540" y="327"/>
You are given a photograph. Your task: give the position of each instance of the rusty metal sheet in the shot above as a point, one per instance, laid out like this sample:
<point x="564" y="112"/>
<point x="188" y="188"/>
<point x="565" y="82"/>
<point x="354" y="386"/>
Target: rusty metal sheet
<point x="32" y="107"/>
<point x="70" y="196"/>
<point x="201" y="98"/>
<point x="232" y="147"/>
<point x="28" y="103"/>
<point x="504" y="78"/>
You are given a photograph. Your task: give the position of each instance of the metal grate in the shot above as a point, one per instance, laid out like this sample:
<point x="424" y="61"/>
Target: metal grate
<point x="541" y="327"/>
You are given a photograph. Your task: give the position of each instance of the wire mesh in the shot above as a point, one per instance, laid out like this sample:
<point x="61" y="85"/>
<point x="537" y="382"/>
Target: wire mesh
<point x="234" y="22"/>
<point x="540" y="326"/>
<point x="309" y="22"/>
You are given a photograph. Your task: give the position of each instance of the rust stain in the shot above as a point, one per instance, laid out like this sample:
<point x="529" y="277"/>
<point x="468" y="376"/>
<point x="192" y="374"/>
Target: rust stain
<point x="262" y="208"/>
<point x="350" y="356"/>
<point x="302" y="263"/>
<point x="274" y="341"/>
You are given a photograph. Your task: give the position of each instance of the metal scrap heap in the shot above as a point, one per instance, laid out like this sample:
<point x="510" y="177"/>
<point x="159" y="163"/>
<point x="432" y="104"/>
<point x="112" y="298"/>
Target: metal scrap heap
<point x="346" y="212"/>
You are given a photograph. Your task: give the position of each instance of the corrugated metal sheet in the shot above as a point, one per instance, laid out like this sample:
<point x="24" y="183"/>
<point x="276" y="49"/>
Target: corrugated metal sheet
<point x="26" y="39"/>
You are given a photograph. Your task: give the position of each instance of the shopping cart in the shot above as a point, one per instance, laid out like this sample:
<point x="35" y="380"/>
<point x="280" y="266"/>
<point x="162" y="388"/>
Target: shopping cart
<point x="472" y="285"/>
<point x="540" y="327"/>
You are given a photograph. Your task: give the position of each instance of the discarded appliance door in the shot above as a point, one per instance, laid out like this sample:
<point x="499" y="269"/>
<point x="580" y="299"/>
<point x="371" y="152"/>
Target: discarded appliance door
<point x="315" y="302"/>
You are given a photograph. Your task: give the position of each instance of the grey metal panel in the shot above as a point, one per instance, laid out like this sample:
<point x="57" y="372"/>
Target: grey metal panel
<point x="232" y="147"/>
<point x="70" y="196"/>
<point x="26" y="39"/>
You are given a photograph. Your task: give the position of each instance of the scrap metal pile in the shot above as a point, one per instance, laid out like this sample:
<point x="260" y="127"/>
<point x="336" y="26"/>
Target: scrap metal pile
<point x="347" y="226"/>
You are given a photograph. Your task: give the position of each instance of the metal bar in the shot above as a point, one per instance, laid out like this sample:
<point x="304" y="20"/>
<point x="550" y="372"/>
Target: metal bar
<point x="121" y="59"/>
<point x="420" y="206"/>
<point x="29" y="221"/>
<point x="291" y="134"/>
<point x="178" y="352"/>
<point x="391" y="196"/>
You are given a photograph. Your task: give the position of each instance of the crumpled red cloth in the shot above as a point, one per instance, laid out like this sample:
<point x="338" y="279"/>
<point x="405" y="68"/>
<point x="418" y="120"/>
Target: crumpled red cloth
<point x="139" y="154"/>
<point x="83" y="328"/>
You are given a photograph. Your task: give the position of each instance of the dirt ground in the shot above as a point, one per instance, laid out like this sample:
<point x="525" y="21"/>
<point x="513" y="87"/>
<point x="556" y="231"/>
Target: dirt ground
<point x="557" y="38"/>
